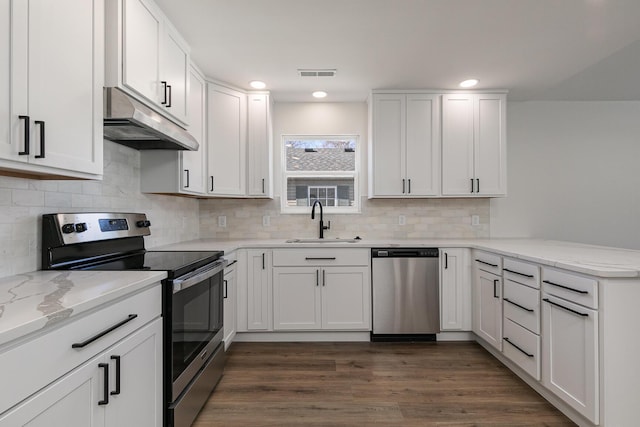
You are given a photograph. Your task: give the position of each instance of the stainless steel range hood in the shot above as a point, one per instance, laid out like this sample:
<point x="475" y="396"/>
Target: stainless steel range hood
<point x="129" y="122"/>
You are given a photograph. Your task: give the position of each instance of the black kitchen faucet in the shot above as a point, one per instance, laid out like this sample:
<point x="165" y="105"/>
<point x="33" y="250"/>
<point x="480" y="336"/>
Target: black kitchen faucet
<point x="313" y="216"/>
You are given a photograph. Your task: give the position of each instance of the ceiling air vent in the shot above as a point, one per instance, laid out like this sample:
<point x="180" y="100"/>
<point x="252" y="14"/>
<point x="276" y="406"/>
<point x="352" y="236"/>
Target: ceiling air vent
<point x="317" y="73"/>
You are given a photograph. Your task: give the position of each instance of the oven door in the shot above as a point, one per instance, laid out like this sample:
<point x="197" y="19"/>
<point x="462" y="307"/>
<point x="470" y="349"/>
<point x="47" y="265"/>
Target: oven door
<point x="195" y="329"/>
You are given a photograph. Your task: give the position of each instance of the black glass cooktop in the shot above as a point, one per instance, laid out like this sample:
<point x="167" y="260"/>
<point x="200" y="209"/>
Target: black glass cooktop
<point x="174" y="263"/>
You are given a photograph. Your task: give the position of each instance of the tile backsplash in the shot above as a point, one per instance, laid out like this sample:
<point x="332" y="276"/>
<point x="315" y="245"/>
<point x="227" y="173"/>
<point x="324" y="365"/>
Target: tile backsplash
<point x="23" y="201"/>
<point x="379" y="219"/>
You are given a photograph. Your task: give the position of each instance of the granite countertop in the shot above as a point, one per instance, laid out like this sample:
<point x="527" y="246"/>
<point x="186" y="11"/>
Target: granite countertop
<point x="599" y="261"/>
<point x="37" y="300"/>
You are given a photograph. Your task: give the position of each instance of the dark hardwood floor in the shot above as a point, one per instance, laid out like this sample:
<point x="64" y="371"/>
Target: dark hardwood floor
<point x="363" y="384"/>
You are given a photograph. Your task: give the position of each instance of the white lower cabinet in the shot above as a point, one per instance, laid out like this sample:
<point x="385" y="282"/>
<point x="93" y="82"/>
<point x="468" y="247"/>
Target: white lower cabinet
<point x="230" y="298"/>
<point x="487" y="305"/>
<point x="259" y="290"/>
<point x="121" y="386"/>
<point x="332" y="298"/>
<point x="570" y="357"/>
<point x="455" y="290"/>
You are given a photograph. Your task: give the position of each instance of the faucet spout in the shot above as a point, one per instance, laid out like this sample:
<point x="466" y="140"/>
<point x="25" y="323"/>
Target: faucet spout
<point x="313" y="216"/>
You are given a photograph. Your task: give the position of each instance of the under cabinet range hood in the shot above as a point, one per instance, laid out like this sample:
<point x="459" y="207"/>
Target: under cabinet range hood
<point x="129" y="122"/>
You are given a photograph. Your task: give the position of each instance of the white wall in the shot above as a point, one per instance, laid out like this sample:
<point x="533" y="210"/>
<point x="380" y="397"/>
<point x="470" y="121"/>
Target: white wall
<point x="574" y="173"/>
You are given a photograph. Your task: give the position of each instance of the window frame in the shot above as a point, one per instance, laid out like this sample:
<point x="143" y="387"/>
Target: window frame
<point x="355" y="174"/>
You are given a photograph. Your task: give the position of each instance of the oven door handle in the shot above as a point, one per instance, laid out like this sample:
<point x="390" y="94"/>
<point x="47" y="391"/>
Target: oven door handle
<point x="198" y="276"/>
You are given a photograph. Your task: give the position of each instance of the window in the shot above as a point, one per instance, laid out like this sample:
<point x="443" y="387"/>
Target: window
<point x="323" y="168"/>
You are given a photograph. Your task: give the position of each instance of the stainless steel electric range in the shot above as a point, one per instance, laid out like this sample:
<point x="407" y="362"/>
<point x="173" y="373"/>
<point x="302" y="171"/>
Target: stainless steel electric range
<point x="192" y="296"/>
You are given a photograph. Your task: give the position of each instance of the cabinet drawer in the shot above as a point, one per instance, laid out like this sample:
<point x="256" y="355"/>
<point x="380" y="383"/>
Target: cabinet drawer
<point x="521" y="272"/>
<point x="320" y="256"/>
<point x="42" y="360"/>
<point x="522" y="347"/>
<point x="522" y="305"/>
<point x="579" y="289"/>
<point x="489" y="262"/>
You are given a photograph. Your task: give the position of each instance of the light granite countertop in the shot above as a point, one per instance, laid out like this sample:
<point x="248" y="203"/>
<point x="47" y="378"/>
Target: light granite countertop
<point x="599" y="261"/>
<point x="33" y="301"/>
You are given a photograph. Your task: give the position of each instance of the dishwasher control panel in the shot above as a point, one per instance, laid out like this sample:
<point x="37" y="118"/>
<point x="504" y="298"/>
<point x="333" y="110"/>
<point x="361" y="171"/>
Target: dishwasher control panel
<point x="404" y="252"/>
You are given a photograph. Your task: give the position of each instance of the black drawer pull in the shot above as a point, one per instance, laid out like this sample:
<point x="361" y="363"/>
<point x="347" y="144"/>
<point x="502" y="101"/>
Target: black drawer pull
<point x="231" y="263"/>
<point x="477" y="185"/>
<point x="117" y="390"/>
<point x="486" y="263"/>
<point x="565" y="287"/>
<point x="226" y="290"/>
<point x="164" y="86"/>
<point x="42" y="133"/>
<point x="495" y="284"/>
<point x="565" y="308"/>
<point x="320" y="258"/>
<point x="103" y="333"/>
<point x="317" y="277"/>
<point x="27" y="132"/>
<point x="446" y="261"/>
<point x="105" y="401"/>
<point x="530" y="310"/>
<point x="409" y="182"/>
<point x="517" y="347"/>
<point x="403" y="186"/>
<point x="187" y="184"/>
<point x="518" y="273"/>
<point x="472" y="185"/>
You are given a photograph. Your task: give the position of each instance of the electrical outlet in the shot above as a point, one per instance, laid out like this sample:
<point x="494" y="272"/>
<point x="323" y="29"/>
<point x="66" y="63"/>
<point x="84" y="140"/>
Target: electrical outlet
<point x="475" y="219"/>
<point x="402" y="220"/>
<point x="266" y="220"/>
<point x="222" y="221"/>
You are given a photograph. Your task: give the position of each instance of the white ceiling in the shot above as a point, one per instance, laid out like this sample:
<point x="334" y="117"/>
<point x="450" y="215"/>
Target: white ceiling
<point x="537" y="49"/>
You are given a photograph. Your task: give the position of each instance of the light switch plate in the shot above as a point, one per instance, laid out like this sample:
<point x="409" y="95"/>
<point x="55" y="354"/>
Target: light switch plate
<point x="402" y="220"/>
<point x="475" y="219"/>
<point x="222" y="221"/>
<point x="266" y="220"/>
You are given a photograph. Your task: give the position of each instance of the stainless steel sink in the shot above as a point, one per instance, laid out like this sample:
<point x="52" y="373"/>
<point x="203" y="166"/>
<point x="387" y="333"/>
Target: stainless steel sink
<point x="323" y="241"/>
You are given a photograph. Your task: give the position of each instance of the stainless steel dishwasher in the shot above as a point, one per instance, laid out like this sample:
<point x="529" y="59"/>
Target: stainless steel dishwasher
<point x="406" y="299"/>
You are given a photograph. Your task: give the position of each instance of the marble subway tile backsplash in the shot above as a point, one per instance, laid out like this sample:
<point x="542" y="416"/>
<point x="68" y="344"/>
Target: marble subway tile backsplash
<point x="23" y="201"/>
<point x="379" y="219"/>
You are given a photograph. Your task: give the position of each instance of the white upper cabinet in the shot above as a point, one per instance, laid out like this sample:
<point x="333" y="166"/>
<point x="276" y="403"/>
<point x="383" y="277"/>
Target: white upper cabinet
<point x="54" y="60"/>
<point x="404" y="145"/>
<point x="474" y="145"/>
<point x="259" y="146"/>
<point x="147" y="57"/>
<point x="227" y="141"/>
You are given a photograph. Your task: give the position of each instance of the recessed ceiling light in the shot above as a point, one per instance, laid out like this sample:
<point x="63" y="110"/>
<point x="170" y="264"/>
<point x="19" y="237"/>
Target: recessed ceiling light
<point x="319" y="94"/>
<point x="257" y="84"/>
<point x="469" y="83"/>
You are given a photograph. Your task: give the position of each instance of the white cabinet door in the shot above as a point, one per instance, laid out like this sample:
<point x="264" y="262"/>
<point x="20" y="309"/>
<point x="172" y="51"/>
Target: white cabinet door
<point x="175" y="72"/>
<point x="141" y="38"/>
<point x="487" y="308"/>
<point x="138" y="399"/>
<point x="72" y="401"/>
<point x="230" y="301"/>
<point x="194" y="165"/>
<point x="7" y="149"/>
<point x="259" y="290"/>
<point x="387" y="151"/>
<point x="346" y="298"/>
<point x="259" y="146"/>
<point x="570" y="354"/>
<point x="422" y="155"/>
<point x="57" y="69"/>
<point x="296" y="298"/>
<point x="455" y="290"/>
<point x="474" y="145"/>
<point x="226" y="145"/>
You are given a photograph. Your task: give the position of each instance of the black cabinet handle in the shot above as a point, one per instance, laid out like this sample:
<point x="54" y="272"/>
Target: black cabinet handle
<point x="117" y="390"/>
<point x="324" y="278"/>
<point x="495" y="289"/>
<point x="164" y="86"/>
<point x="409" y="182"/>
<point x="263" y="186"/>
<point x="403" y="186"/>
<point x="187" y="184"/>
<point x="565" y="308"/>
<point x="317" y="277"/>
<point x="446" y="261"/>
<point x="231" y="263"/>
<point x="486" y="263"/>
<point x="27" y="132"/>
<point x="309" y="258"/>
<point x="518" y="348"/>
<point x="105" y="366"/>
<point x="530" y="310"/>
<point x="518" y="273"/>
<point x="472" y="185"/>
<point x="103" y="333"/>
<point x="211" y="183"/>
<point x="477" y="185"/>
<point x="565" y="287"/>
<point x="226" y="291"/>
<point x="263" y="260"/>
<point x="41" y="124"/>
<point x="169" y="103"/>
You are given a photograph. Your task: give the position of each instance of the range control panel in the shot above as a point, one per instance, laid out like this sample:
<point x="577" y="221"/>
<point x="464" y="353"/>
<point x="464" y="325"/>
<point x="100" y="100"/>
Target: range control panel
<point x="88" y="227"/>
